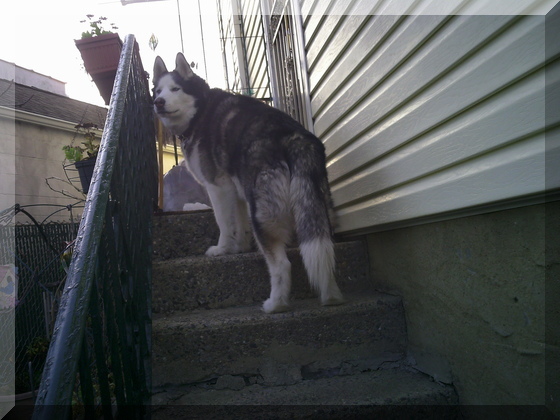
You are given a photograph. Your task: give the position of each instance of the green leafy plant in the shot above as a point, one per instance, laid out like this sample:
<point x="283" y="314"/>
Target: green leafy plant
<point x="96" y="26"/>
<point x="89" y="148"/>
<point x="36" y="353"/>
<point x="38" y="348"/>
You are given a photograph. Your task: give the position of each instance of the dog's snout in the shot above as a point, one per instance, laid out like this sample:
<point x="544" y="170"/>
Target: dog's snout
<point x="159" y="102"/>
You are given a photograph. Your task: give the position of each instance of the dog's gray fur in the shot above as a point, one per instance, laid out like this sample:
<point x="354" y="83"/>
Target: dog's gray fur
<point x="254" y="161"/>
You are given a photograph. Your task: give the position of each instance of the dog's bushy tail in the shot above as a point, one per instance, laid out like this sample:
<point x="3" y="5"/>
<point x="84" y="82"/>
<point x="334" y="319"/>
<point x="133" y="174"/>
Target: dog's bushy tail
<point x="312" y="209"/>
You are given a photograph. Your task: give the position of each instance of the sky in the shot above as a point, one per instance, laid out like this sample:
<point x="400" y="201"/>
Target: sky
<point x="39" y="35"/>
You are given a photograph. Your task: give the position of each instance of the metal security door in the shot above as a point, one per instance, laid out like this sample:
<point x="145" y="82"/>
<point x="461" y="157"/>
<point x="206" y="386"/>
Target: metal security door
<point x="287" y="61"/>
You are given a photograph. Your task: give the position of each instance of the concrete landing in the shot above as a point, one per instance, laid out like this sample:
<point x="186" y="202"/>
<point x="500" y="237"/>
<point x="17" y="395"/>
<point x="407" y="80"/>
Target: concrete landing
<point x="386" y="393"/>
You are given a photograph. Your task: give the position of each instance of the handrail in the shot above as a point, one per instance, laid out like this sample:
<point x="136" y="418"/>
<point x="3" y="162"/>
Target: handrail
<point x="92" y="274"/>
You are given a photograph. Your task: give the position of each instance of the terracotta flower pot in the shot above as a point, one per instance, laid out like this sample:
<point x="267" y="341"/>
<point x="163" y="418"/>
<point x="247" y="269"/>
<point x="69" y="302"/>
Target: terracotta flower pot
<point x="101" y="56"/>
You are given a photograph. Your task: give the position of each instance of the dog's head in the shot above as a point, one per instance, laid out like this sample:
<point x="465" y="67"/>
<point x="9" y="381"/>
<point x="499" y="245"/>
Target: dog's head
<point x="178" y="94"/>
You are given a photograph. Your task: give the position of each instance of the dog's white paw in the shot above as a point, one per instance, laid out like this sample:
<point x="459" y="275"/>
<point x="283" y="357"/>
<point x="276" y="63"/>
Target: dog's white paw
<point x="274" y="306"/>
<point x="215" y="250"/>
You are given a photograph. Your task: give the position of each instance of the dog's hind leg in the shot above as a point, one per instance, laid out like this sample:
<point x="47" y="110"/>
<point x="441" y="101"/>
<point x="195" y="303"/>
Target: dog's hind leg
<point x="243" y="234"/>
<point x="280" y="269"/>
<point x="273" y="228"/>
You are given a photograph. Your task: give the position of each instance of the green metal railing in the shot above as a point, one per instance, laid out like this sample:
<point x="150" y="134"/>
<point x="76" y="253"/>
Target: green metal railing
<point x="98" y="364"/>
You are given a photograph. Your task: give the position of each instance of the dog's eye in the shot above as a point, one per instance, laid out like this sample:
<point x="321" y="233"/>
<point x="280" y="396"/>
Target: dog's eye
<point x="175" y="89"/>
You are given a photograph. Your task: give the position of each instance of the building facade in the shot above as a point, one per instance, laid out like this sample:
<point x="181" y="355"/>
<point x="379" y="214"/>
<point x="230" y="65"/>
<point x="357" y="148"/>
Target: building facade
<point x="36" y="120"/>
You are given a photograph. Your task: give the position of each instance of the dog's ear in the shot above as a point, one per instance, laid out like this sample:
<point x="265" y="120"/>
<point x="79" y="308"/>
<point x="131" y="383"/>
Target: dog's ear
<point x="159" y="67"/>
<point x="182" y="67"/>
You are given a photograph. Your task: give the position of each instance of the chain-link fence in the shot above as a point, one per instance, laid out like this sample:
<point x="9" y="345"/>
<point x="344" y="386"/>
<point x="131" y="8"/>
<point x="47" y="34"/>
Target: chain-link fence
<point x="33" y="261"/>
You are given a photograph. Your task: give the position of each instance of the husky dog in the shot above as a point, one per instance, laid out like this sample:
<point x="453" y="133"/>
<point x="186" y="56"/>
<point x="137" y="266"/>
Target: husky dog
<point x="256" y="163"/>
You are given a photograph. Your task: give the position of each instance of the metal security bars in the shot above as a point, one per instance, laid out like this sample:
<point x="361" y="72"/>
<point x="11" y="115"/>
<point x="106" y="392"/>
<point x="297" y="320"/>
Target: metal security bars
<point x="288" y="68"/>
<point x="98" y="364"/>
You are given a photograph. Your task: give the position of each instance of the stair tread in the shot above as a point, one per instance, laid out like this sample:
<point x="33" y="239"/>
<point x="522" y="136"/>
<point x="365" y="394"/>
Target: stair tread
<point x="381" y="387"/>
<point x="255" y="254"/>
<point x="301" y="309"/>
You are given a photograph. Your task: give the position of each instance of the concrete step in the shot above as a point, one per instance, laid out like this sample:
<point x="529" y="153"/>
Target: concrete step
<point x="279" y="349"/>
<point x="177" y="235"/>
<point x="215" y="354"/>
<point x="384" y="393"/>
<point x="188" y="283"/>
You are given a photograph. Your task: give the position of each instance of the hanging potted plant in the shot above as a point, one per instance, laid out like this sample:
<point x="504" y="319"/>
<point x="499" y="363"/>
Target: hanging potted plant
<point x="101" y="50"/>
<point x="84" y="157"/>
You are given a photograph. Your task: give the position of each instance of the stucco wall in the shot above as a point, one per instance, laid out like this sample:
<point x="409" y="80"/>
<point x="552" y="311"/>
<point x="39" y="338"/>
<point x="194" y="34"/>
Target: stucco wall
<point x="39" y="155"/>
<point x="7" y="160"/>
<point x="474" y="295"/>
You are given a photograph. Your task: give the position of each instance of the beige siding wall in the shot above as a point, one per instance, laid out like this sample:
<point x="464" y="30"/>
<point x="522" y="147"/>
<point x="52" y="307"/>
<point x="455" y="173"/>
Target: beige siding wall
<point x="428" y="117"/>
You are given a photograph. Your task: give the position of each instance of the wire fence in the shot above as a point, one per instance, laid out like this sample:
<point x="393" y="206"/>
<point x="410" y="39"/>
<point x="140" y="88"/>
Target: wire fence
<point x="34" y="257"/>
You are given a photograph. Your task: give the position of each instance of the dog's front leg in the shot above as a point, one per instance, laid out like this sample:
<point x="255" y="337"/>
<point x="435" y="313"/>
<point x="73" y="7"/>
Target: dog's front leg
<point x="243" y="232"/>
<point x="224" y="198"/>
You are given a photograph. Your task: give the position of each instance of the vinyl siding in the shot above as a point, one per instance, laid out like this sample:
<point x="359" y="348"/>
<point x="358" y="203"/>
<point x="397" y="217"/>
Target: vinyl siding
<point x="427" y="117"/>
<point x="244" y="50"/>
<point x="259" y="84"/>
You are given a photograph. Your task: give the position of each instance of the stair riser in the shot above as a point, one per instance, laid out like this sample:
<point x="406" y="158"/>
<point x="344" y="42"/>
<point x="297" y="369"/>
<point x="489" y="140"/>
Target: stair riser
<point x="280" y="349"/>
<point x="179" y="235"/>
<point x="217" y="282"/>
